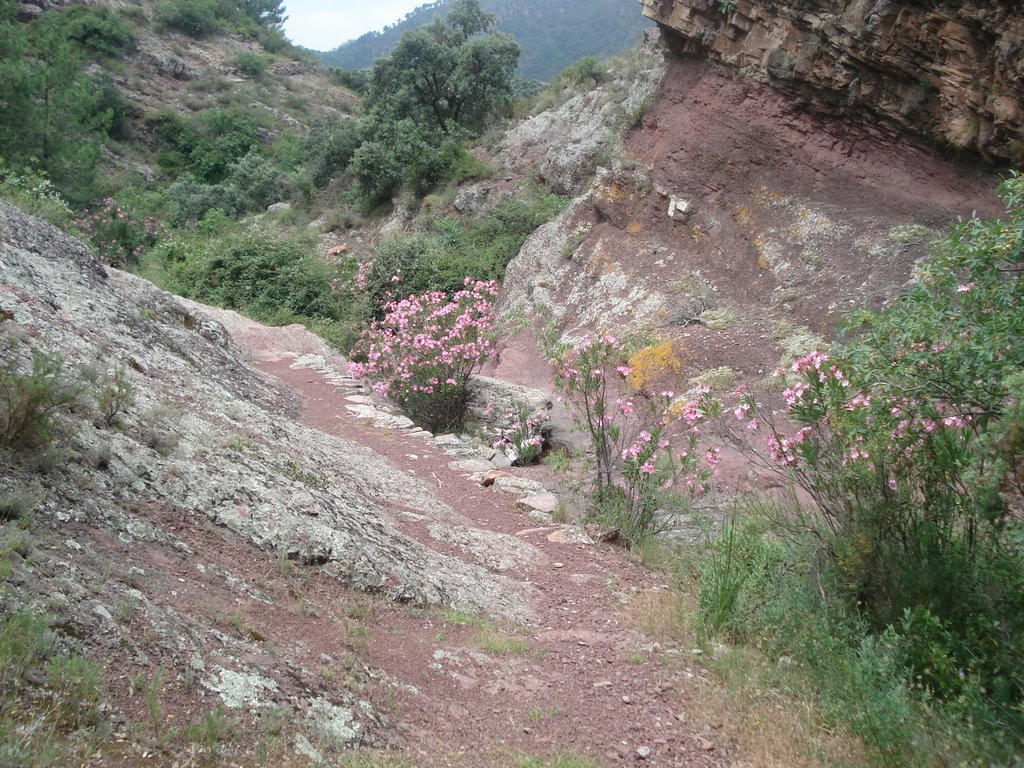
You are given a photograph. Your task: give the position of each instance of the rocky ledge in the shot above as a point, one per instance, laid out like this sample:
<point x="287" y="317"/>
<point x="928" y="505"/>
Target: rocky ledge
<point x="948" y="71"/>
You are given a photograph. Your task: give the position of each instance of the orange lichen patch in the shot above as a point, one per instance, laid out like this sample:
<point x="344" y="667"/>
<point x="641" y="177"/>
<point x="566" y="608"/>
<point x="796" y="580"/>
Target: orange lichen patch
<point x="741" y="214"/>
<point x="653" y="365"/>
<point x="635" y="227"/>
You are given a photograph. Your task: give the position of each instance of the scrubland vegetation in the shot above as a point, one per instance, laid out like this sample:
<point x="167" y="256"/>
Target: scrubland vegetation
<point x="888" y="592"/>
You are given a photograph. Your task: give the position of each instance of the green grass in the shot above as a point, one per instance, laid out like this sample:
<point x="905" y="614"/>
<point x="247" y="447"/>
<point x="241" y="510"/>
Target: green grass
<point x="458" y="618"/>
<point x="561" y="760"/>
<point x="49" y="724"/>
<point x="497" y="643"/>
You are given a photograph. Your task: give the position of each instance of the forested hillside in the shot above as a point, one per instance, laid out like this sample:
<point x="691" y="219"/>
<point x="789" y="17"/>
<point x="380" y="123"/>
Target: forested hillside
<point x="552" y="34"/>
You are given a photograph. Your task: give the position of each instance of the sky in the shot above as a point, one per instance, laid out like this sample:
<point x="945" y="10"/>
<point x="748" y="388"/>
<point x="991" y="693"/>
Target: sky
<point x="325" y="24"/>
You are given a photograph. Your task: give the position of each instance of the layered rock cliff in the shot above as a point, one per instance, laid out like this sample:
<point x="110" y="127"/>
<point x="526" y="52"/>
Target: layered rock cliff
<point x="948" y="71"/>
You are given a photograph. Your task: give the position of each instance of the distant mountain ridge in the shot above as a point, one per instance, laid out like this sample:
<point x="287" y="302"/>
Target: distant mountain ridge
<point x="552" y="33"/>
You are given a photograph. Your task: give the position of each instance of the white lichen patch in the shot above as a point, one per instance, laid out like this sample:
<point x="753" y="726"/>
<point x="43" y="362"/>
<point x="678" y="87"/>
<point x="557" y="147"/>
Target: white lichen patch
<point x="240" y="689"/>
<point x="333" y="726"/>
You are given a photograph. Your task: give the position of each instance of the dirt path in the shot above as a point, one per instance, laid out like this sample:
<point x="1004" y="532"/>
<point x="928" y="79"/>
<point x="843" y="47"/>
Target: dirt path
<point x="574" y="679"/>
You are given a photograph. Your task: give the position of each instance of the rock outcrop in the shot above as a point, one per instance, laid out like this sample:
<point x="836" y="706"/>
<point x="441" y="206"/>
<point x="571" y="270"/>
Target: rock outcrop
<point x="154" y="522"/>
<point x="950" y="71"/>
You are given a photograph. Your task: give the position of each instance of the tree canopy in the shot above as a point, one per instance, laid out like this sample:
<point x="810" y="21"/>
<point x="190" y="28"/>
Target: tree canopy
<point x="452" y="74"/>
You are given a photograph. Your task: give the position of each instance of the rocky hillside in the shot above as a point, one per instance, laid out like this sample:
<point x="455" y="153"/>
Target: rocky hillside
<point x="175" y="475"/>
<point x="735" y="217"/>
<point x="952" y="72"/>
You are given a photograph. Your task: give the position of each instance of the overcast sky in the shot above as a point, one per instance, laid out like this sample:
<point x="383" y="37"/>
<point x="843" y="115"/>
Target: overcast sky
<point x="325" y="24"/>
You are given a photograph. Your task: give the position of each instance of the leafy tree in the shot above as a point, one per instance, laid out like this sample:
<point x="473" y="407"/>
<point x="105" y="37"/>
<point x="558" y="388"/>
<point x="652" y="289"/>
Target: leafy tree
<point x="454" y="73"/>
<point x="52" y="112"/>
<point x="269" y="13"/>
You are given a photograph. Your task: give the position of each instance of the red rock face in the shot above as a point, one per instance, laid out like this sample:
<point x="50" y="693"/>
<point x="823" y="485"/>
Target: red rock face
<point x="949" y="71"/>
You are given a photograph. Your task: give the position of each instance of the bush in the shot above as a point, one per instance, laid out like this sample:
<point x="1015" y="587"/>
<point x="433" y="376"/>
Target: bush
<point x="638" y="478"/>
<point x="250" y="64"/>
<point x="257" y="180"/>
<point x="256" y="273"/>
<point x="188" y="201"/>
<point x="118" y="234"/>
<point x="101" y="30"/>
<point x="29" y="402"/>
<point x="329" y="147"/>
<point x="33" y="193"/>
<point x="585" y="71"/>
<point x="196" y="18"/>
<point x="422" y="353"/>
<point x="441" y="258"/>
<point x="521" y="434"/>
<point x="910" y="442"/>
<point x="224" y="136"/>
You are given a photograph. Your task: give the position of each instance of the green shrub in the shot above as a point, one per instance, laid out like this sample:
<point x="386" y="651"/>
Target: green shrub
<point x="222" y="137"/>
<point x="33" y="193"/>
<point x="440" y="258"/>
<point x="903" y="589"/>
<point x="30" y="401"/>
<point x="258" y="182"/>
<point x="585" y="71"/>
<point x="255" y="272"/>
<point x="250" y="64"/>
<point x="100" y="29"/>
<point x="114" y="395"/>
<point x="77" y="684"/>
<point x="196" y="18"/>
<point x="188" y="201"/>
<point x="329" y="147"/>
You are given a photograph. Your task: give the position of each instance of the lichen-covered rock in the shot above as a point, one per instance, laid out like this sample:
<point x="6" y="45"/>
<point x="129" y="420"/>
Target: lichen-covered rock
<point x="208" y="445"/>
<point x="941" y="69"/>
<point x="562" y="145"/>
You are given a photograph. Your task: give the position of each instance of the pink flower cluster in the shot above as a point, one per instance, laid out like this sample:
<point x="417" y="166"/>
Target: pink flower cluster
<point x="118" y="234"/>
<point x="422" y="353"/>
<point x="785" y="451"/>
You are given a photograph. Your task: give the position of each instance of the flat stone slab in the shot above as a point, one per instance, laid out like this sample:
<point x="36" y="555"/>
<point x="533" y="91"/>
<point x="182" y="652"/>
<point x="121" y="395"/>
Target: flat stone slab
<point x="470" y="465"/>
<point x="569" y="534"/>
<point x="392" y="421"/>
<point x="449" y="440"/>
<point x="545" y="502"/>
<point x="518" y="485"/>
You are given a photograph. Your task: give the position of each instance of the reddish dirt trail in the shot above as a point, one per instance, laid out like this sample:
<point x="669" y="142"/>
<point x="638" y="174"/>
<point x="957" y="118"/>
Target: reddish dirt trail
<point x="575" y="679"/>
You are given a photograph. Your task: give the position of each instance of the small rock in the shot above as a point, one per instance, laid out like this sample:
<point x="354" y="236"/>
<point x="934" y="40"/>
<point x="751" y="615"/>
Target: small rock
<point x="500" y="460"/>
<point x="470" y="465"/>
<point x="704" y="745"/>
<point x="643" y="752"/>
<point x="545" y="502"/>
<point x="627" y="700"/>
<point x="603" y="684"/>
<point x="568" y="534"/>
<point x="559" y="565"/>
<point x="35" y="676"/>
<point x="517" y="485"/>
<point x="490" y="477"/>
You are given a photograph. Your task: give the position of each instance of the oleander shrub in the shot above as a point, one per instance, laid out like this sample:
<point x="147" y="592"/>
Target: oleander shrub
<point x="422" y="352"/>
